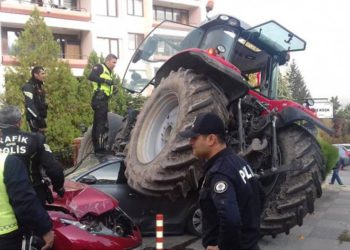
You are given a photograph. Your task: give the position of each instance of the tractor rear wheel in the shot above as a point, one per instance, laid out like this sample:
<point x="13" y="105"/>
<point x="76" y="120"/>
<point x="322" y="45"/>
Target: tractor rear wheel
<point x="158" y="161"/>
<point x="294" y="193"/>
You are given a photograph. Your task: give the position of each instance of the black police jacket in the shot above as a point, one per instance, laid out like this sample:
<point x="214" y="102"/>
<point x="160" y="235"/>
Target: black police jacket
<point x="230" y="200"/>
<point x="34" y="98"/>
<point x="35" y="153"/>
<point x="30" y="214"/>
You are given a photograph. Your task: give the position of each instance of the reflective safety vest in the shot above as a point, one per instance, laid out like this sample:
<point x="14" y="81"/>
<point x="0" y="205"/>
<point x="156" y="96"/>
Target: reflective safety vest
<point x="8" y="222"/>
<point x="106" y="74"/>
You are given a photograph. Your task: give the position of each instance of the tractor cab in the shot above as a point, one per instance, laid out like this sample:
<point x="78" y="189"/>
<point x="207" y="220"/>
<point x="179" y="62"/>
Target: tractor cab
<point x="255" y="51"/>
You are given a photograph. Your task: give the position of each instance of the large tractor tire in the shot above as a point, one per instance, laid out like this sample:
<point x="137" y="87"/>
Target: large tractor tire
<point x="294" y="192"/>
<point x="86" y="146"/>
<point x="159" y="162"/>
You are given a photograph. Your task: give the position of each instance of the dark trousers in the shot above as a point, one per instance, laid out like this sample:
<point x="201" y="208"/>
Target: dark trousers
<point x="335" y="176"/>
<point x="34" y="125"/>
<point x="100" y="124"/>
<point x="11" y="241"/>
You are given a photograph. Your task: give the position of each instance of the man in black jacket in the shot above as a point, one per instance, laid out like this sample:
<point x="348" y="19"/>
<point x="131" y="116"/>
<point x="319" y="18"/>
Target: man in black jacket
<point x="36" y="155"/>
<point x="34" y="99"/>
<point x="20" y="208"/>
<point x="101" y="77"/>
<point x="230" y="197"/>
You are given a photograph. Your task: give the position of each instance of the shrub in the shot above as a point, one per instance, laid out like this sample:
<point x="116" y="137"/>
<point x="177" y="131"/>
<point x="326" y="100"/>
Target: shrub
<point x="330" y="154"/>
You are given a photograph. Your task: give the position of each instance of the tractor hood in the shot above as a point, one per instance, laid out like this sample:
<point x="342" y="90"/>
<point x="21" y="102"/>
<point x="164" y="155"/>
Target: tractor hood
<point x="80" y="199"/>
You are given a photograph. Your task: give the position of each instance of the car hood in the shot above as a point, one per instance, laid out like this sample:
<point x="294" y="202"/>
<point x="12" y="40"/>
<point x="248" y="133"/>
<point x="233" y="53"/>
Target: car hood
<point x="81" y="199"/>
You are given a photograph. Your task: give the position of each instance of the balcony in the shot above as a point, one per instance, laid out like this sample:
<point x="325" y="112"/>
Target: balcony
<point x="53" y="11"/>
<point x="8" y="60"/>
<point x="181" y="4"/>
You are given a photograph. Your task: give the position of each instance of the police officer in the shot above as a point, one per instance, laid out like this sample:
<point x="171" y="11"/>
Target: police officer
<point x="34" y="99"/>
<point x="101" y="77"/>
<point x="20" y="208"/>
<point x="36" y="155"/>
<point x="230" y="195"/>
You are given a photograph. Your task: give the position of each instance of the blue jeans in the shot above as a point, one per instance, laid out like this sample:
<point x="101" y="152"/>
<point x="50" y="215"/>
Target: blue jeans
<point x="335" y="176"/>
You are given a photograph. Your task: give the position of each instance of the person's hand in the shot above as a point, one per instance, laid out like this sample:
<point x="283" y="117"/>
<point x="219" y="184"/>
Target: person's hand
<point x="212" y="248"/>
<point x="48" y="238"/>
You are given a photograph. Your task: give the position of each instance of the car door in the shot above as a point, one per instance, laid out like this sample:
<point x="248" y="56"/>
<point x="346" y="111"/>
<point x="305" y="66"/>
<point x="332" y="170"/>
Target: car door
<point x="110" y="179"/>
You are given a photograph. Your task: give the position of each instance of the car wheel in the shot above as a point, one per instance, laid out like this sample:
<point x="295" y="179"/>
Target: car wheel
<point x="194" y="222"/>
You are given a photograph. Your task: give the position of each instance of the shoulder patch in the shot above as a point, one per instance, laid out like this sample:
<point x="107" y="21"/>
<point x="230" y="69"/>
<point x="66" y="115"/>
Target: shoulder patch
<point x="220" y="187"/>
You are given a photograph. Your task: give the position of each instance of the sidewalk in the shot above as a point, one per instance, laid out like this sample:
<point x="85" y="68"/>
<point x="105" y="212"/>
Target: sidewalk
<point x="326" y="228"/>
<point x="321" y="230"/>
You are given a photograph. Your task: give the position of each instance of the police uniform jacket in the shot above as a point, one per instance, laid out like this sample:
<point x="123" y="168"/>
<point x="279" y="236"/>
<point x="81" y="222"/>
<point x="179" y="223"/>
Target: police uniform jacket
<point x="230" y="203"/>
<point x="35" y="103"/>
<point x="101" y="77"/>
<point x="35" y="153"/>
<point x="30" y="214"/>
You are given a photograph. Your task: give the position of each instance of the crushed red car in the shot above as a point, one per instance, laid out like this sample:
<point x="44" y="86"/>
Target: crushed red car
<point x="86" y="218"/>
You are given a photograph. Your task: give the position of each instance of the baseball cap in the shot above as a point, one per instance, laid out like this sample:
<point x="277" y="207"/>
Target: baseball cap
<point x="205" y="124"/>
<point x="10" y="115"/>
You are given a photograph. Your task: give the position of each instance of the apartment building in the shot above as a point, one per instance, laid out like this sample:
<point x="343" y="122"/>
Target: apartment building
<point x="106" y="26"/>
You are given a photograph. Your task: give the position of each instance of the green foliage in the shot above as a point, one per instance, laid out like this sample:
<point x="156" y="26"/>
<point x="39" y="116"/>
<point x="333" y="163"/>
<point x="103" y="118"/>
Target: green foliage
<point x="68" y="98"/>
<point x="65" y="96"/>
<point x="336" y="104"/>
<point x="36" y="44"/>
<point x="330" y="154"/>
<point x="65" y="111"/>
<point x="344" y="112"/>
<point x="284" y="91"/>
<point x="296" y="82"/>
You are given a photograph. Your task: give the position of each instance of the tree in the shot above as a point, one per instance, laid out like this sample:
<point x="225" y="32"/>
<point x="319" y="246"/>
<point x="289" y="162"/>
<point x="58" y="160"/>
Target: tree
<point x="296" y="82"/>
<point x="283" y="91"/>
<point x="36" y="46"/>
<point x="336" y="104"/>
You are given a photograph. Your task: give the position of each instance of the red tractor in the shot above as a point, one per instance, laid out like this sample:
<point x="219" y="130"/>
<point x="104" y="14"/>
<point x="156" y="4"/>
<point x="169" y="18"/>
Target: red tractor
<point x="223" y="66"/>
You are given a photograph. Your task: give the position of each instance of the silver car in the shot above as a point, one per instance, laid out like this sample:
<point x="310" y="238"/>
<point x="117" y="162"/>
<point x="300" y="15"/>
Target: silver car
<point x="344" y="152"/>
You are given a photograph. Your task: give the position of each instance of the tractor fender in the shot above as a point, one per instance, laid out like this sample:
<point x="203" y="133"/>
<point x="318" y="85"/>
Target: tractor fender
<point x="290" y="115"/>
<point x="224" y="74"/>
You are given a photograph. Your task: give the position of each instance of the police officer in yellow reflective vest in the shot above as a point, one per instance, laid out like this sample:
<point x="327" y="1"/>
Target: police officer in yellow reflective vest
<point x="20" y="209"/>
<point x="101" y="77"/>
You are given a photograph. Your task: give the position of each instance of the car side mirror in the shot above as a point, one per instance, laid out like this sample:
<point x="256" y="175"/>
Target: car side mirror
<point x="88" y="179"/>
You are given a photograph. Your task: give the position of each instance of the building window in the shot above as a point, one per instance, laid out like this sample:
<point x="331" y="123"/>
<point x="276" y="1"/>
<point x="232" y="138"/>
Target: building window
<point x="134" y="40"/>
<point x="107" y="8"/>
<point x="107" y="46"/>
<point x="135" y="7"/>
<point x="9" y="38"/>
<point x="62" y="4"/>
<point x="69" y="46"/>
<point x="170" y="14"/>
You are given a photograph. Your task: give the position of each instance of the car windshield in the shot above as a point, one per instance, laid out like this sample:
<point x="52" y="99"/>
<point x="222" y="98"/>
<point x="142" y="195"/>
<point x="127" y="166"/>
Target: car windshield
<point x="88" y="164"/>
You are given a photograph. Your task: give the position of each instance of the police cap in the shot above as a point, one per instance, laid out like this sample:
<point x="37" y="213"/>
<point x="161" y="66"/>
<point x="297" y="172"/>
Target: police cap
<point x="205" y="124"/>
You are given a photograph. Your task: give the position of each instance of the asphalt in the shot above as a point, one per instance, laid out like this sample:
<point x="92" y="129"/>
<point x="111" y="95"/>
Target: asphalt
<point x="328" y="228"/>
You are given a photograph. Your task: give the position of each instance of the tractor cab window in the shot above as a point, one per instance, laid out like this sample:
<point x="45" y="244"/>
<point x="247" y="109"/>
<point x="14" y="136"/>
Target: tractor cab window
<point x="153" y="52"/>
